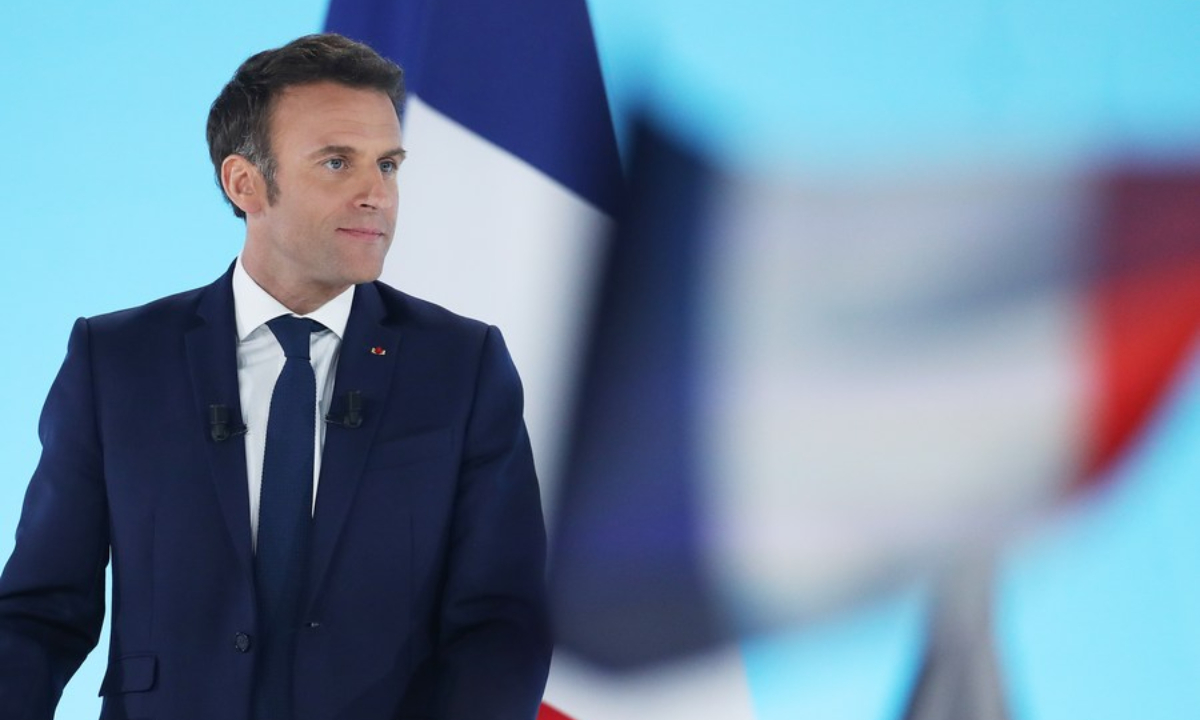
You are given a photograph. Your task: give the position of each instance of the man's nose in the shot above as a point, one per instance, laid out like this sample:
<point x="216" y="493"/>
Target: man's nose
<point x="378" y="192"/>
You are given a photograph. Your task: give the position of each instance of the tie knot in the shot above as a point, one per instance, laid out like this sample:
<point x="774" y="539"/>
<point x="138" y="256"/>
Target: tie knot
<point x="292" y="333"/>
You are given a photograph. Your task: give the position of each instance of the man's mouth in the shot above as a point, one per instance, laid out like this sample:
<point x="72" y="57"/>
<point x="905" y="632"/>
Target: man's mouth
<point x="362" y="233"/>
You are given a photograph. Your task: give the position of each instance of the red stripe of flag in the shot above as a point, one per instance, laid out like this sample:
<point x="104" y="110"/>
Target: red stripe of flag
<point x="549" y="712"/>
<point x="1146" y="300"/>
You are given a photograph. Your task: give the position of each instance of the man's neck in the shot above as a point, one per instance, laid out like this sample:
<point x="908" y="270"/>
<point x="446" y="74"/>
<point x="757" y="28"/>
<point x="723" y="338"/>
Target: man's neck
<point x="300" y="298"/>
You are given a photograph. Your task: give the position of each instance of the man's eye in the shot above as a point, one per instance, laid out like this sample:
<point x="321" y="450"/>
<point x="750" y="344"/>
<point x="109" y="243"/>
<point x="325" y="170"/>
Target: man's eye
<point x="389" y="166"/>
<point x="335" y="163"/>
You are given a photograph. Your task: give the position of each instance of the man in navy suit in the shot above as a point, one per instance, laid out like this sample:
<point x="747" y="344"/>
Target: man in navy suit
<point x="421" y="593"/>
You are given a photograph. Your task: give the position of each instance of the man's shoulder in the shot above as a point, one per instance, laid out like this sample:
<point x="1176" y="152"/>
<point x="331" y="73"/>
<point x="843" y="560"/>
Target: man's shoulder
<point x="172" y="311"/>
<point x="418" y="312"/>
<point x="179" y="311"/>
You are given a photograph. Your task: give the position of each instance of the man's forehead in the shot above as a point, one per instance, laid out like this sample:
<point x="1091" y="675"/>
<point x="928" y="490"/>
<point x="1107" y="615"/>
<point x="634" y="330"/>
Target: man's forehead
<point x="333" y="114"/>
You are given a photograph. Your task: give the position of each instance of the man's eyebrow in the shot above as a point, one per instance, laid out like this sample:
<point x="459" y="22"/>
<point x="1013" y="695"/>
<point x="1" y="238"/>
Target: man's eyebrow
<point x="333" y="150"/>
<point x="347" y="150"/>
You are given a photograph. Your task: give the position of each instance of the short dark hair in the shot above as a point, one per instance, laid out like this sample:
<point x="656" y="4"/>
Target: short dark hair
<point x="239" y="121"/>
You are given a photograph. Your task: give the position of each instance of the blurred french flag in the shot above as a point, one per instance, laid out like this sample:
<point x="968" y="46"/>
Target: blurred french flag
<point x="880" y="287"/>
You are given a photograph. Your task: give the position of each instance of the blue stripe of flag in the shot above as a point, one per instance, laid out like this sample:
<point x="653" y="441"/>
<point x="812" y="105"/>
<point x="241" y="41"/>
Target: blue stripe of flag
<point x="629" y="583"/>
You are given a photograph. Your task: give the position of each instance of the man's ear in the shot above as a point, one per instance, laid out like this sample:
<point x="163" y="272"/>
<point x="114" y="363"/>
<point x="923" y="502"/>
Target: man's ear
<point x="244" y="184"/>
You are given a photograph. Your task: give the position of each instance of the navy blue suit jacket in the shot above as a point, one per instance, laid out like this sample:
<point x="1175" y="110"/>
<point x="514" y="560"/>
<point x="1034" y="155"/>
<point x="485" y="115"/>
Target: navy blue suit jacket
<point x="425" y="595"/>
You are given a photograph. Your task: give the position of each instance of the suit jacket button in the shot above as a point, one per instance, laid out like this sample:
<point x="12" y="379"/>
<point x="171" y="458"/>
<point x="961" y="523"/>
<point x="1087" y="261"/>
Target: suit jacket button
<point x="241" y="642"/>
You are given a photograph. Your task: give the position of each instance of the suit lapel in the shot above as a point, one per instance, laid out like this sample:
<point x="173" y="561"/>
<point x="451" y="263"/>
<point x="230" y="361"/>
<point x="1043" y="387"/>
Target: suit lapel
<point x="212" y="361"/>
<point x="366" y="363"/>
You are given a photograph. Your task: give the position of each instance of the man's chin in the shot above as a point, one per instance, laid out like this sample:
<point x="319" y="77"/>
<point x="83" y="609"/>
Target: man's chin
<point x="367" y="276"/>
<point x="364" y="271"/>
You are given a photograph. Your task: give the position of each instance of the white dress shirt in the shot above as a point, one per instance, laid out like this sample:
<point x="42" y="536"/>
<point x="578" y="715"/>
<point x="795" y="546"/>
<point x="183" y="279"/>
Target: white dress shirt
<point x="260" y="359"/>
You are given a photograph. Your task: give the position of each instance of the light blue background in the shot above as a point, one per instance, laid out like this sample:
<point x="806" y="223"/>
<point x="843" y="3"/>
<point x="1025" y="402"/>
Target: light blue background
<point x="108" y="199"/>
<point x="864" y="86"/>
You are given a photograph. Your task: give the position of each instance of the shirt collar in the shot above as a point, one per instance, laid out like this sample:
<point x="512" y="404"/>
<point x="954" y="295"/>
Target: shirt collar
<point x="253" y="306"/>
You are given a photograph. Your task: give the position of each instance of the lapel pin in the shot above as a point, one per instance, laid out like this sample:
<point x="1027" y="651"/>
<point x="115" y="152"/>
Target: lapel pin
<point x="377" y="350"/>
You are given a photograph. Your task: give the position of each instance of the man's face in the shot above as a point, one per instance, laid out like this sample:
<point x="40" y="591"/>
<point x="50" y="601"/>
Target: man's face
<point x="337" y="150"/>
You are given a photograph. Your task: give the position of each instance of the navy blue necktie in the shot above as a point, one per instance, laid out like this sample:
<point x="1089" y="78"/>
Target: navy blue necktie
<point x="284" y="516"/>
